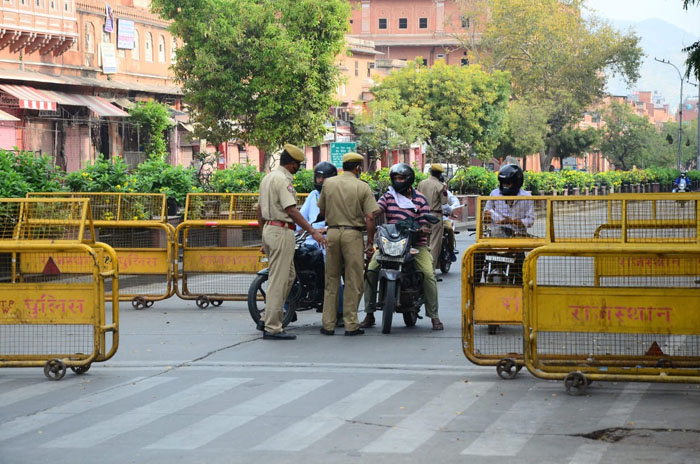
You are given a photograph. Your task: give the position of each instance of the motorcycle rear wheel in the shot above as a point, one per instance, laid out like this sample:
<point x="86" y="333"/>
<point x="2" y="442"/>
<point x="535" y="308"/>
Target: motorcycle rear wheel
<point x="410" y="318"/>
<point x="445" y="264"/>
<point x="257" y="297"/>
<point x="388" y="305"/>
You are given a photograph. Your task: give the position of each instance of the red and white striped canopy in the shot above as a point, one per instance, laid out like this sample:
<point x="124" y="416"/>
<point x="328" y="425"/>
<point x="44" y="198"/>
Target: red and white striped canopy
<point x="29" y="97"/>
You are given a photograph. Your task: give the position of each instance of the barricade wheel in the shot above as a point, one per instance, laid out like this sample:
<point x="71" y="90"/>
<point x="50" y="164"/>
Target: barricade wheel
<point x="149" y="303"/>
<point x="507" y="368"/>
<point x="217" y="302"/>
<point x="80" y="369"/>
<point x="55" y="369"/>
<point x="138" y="303"/>
<point x="202" y="302"/>
<point x="575" y="383"/>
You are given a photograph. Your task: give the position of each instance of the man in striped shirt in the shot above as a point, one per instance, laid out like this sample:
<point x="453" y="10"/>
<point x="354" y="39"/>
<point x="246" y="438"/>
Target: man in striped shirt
<point x="402" y="201"/>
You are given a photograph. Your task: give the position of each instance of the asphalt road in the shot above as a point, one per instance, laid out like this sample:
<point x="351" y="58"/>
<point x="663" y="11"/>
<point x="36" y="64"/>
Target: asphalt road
<point x="190" y="386"/>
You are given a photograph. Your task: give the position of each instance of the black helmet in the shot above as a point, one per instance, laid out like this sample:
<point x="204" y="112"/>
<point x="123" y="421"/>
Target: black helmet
<point x="511" y="174"/>
<point x="325" y="170"/>
<point x="402" y="169"/>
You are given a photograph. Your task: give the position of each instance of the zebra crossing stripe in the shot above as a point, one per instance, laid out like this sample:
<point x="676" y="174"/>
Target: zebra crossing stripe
<point x="420" y="426"/>
<point x="41" y="419"/>
<point x="307" y="431"/>
<point x="98" y="433"/>
<point x="616" y="416"/>
<point x="507" y="435"/>
<point x="31" y="391"/>
<point x="212" y="427"/>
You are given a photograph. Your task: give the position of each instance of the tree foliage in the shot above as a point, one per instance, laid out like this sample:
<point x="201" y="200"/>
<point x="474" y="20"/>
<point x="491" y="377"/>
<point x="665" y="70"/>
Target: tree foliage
<point x="465" y="103"/>
<point x="154" y="117"/>
<point x="693" y="61"/>
<point x="625" y="137"/>
<point x="557" y="57"/>
<point x="261" y="71"/>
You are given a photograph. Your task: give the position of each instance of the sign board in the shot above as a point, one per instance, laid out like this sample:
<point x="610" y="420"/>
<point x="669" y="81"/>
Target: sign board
<point x="109" y="18"/>
<point x="109" y="58"/>
<point x="338" y="149"/>
<point x="569" y="162"/>
<point x="125" y="34"/>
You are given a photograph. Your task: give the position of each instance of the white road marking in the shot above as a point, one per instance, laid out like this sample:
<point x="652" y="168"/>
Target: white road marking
<point x="41" y="419"/>
<point x="99" y="433"/>
<point x="420" y="426"/>
<point x="212" y="427"/>
<point x="307" y="431"/>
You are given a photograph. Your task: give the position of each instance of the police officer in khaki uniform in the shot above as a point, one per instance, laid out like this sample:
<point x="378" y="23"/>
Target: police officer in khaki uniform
<point x="277" y="213"/>
<point x="436" y="193"/>
<point x="348" y="206"/>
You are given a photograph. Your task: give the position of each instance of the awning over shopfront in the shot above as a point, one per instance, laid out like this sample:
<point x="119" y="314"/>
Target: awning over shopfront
<point x="7" y="117"/>
<point x="29" y="97"/>
<point x="99" y="105"/>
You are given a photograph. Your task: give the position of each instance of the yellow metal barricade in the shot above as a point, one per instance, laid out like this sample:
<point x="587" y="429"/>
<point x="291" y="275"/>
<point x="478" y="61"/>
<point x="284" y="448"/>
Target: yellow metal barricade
<point x="625" y="312"/>
<point x="492" y="281"/>
<point x="219" y="248"/>
<point x="53" y="281"/>
<point x="135" y="225"/>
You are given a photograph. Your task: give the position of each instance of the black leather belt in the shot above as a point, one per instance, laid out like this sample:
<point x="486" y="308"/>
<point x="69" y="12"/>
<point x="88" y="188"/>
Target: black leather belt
<point x="347" y="228"/>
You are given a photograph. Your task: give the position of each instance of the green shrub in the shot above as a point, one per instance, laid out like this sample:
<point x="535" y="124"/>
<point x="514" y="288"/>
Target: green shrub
<point x="155" y="175"/>
<point x="474" y="180"/>
<point x="25" y="172"/>
<point x="101" y="176"/>
<point x="237" y="179"/>
<point x="304" y="181"/>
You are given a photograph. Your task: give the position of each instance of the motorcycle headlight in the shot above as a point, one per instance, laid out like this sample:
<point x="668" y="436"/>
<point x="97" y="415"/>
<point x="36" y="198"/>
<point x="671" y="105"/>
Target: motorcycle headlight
<point x="390" y="248"/>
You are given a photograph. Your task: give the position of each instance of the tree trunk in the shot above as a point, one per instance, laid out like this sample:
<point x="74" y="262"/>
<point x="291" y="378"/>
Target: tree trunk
<point x="546" y="158"/>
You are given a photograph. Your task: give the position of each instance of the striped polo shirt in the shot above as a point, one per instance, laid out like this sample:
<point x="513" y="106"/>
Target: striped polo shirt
<point x="393" y="213"/>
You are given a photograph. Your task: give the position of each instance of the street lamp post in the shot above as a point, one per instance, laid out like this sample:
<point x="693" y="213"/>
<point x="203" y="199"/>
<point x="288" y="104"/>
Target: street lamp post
<point x="680" y="105"/>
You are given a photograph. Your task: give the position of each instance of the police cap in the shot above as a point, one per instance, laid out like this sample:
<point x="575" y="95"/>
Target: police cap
<point x="295" y="152"/>
<point x="352" y="157"/>
<point x="437" y="167"/>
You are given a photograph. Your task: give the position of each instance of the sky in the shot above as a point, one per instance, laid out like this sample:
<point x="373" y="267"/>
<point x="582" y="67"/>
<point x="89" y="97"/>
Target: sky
<point x="638" y="10"/>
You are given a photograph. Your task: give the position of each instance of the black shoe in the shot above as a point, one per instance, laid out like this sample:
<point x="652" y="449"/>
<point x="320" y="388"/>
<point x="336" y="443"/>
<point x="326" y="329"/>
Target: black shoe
<point x="354" y="332"/>
<point x="368" y="322"/>
<point x="260" y="325"/>
<point x="278" y="336"/>
<point x="327" y="332"/>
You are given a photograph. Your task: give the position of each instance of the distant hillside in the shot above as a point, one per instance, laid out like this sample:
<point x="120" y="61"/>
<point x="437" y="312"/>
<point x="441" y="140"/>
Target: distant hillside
<point x="662" y="40"/>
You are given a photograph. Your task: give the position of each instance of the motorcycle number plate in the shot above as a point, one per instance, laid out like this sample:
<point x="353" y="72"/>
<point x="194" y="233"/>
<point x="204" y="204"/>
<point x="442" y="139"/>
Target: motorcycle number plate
<point x="500" y="259"/>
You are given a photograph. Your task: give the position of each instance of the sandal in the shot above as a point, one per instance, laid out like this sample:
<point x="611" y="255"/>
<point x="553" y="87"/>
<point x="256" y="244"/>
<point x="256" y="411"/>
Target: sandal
<point x="437" y="325"/>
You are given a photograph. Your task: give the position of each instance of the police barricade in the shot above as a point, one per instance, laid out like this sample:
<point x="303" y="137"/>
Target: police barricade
<point x="53" y="282"/>
<point x="625" y="312"/>
<point x="492" y="281"/>
<point x="218" y="248"/>
<point x="136" y="226"/>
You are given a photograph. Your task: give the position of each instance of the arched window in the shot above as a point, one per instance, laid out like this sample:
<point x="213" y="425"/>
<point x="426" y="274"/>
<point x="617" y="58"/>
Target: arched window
<point x="161" y="49"/>
<point x="173" y="50"/>
<point x="148" y="47"/>
<point x="89" y="38"/>
<point x="135" y="54"/>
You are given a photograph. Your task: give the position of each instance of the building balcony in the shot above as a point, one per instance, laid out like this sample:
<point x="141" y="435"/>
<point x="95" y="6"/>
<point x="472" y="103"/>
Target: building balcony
<point x="44" y="26"/>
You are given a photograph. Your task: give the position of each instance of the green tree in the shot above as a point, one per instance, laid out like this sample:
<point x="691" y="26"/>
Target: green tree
<point x="625" y="136"/>
<point x="526" y="129"/>
<point x="574" y="142"/>
<point x="556" y="56"/>
<point x="383" y="127"/>
<point x="154" y="118"/>
<point x="261" y="71"/>
<point x="462" y="103"/>
<point x="693" y="61"/>
<point x="667" y="143"/>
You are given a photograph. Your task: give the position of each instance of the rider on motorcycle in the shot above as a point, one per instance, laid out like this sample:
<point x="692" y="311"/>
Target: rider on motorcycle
<point x="682" y="183"/>
<point x="447" y="210"/>
<point x="400" y="202"/>
<point x="509" y="218"/>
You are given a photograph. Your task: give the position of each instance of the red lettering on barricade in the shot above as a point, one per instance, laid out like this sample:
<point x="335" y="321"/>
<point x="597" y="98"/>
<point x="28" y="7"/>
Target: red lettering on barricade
<point x="49" y="304"/>
<point x="223" y="260"/>
<point x="6" y="306"/>
<point x="511" y="304"/>
<point x="621" y="313"/>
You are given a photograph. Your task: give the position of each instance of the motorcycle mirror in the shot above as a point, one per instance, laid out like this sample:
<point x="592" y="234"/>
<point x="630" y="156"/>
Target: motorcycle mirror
<point x="430" y="218"/>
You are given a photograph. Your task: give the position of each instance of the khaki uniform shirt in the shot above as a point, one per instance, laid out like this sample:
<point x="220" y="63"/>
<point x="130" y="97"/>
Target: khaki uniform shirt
<point x="432" y="189"/>
<point x="276" y="194"/>
<point x="346" y="200"/>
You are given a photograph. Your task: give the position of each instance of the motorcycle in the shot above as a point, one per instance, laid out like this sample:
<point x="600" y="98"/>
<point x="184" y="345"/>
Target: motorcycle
<point x="307" y="290"/>
<point x="399" y="283"/>
<point x="444" y="261"/>
<point x="682" y="187"/>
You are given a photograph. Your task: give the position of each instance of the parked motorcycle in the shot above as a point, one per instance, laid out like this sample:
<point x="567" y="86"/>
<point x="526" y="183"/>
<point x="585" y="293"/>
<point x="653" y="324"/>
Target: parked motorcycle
<point x="682" y="186"/>
<point x="307" y="291"/>
<point x="399" y="283"/>
<point x="444" y="261"/>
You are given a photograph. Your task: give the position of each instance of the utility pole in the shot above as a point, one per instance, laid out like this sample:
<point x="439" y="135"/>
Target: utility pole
<point x="680" y="111"/>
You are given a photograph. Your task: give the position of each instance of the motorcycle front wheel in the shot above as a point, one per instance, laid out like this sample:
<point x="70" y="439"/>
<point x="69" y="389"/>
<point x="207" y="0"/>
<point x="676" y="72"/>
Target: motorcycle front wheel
<point x="257" y="296"/>
<point x="388" y="305"/>
<point x="445" y="264"/>
<point x="410" y="318"/>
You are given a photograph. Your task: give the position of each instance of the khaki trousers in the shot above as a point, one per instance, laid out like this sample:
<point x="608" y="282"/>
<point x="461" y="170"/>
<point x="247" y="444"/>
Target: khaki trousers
<point x="345" y="247"/>
<point x="436" y="241"/>
<point x="423" y="264"/>
<point x="279" y="247"/>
